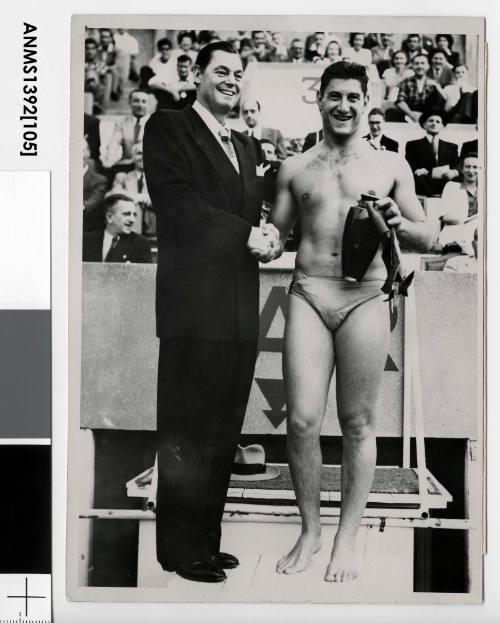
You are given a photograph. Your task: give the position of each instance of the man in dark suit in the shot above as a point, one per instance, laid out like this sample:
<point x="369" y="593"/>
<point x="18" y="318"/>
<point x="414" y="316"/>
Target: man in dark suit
<point x="203" y="185"/>
<point x="117" y="243"/>
<point x="432" y="160"/>
<point x="469" y="147"/>
<point x="376" y="137"/>
<point x="250" y="109"/>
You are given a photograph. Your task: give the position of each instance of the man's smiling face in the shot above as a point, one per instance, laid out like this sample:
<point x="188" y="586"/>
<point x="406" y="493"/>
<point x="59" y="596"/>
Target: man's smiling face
<point x="342" y="105"/>
<point x="219" y="84"/>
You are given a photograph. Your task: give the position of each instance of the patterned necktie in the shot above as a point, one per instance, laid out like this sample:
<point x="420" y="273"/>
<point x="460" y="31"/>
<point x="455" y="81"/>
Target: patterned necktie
<point x="140" y="183"/>
<point x="225" y="136"/>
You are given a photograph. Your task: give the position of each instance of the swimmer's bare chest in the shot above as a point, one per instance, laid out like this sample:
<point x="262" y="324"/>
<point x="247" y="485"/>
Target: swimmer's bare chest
<point x="324" y="189"/>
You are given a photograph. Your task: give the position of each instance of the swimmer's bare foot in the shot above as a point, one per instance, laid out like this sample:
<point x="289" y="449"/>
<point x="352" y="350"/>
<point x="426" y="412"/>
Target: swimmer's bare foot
<point x="299" y="558"/>
<point x="343" y="565"/>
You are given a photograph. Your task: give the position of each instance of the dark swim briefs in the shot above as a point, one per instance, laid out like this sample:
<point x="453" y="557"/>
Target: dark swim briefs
<point x="333" y="298"/>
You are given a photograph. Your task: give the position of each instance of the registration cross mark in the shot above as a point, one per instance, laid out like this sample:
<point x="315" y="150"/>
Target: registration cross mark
<point x="26" y="596"/>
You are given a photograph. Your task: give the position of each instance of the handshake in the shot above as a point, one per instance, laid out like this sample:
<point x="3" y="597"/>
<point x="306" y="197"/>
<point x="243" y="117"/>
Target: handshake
<point x="264" y="243"/>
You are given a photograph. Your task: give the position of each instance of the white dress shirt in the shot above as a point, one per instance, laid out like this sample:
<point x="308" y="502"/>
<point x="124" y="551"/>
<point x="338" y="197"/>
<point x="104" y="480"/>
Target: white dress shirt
<point x="214" y="126"/>
<point x="106" y="244"/>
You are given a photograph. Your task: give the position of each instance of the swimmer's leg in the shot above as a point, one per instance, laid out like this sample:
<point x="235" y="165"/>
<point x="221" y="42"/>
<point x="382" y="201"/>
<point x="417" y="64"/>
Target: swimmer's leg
<point x="307" y="370"/>
<point x="361" y="347"/>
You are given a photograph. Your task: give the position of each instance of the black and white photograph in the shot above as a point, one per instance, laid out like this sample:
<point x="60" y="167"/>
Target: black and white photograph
<point x="276" y="322"/>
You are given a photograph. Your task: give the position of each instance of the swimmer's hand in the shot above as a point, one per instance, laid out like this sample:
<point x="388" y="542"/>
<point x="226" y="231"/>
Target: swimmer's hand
<point x="390" y="211"/>
<point x="273" y="235"/>
<point x="261" y="245"/>
<point x="420" y="172"/>
<point x="264" y="243"/>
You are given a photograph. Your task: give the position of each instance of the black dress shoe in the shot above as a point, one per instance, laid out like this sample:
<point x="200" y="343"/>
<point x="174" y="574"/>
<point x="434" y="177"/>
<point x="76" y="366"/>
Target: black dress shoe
<point x="201" y="571"/>
<point x="225" y="561"/>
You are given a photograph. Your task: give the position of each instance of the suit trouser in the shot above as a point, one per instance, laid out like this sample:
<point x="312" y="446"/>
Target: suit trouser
<point x="203" y="389"/>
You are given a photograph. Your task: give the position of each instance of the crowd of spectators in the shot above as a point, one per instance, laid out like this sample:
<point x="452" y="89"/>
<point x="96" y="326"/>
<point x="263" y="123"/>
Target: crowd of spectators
<point x="422" y="80"/>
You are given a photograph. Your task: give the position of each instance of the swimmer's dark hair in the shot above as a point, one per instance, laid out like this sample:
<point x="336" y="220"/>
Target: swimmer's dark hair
<point x="344" y="70"/>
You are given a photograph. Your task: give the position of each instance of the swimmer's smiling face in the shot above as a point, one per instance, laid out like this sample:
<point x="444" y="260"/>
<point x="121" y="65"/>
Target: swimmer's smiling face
<point x="342" y="106"/>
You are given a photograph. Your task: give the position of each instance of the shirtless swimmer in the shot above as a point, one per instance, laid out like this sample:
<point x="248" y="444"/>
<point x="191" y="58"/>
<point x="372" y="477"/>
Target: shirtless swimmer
<point x="333" y="322"/>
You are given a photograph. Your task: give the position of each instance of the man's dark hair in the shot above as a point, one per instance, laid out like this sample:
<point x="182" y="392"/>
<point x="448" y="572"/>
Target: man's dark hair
<point x="344" y="70"/>
<point x="468" y="154"/>
<point x="184" y="58"/>
<point x="254" y="32"/>
<point x="206" y="36"/>
<point x="90" y="41"/>
<point x="205" y="54"/>
<point x="163" y="42"/>
<point x="419" y="55"/>
<point x="269" y="142"/>
<point x="415" y="34"/>
<point x="136" y="91"/>
<point x="246" y="43"/>
<point x="436" y="51"/>
<point x="111" y="200"/>
<point x="376" y="111"/>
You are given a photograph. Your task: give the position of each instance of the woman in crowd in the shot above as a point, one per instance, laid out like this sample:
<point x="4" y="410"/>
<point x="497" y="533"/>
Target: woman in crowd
<point x="356" y="53"/>
<point x="392" y="76"/>
<point x="445" y="44"/>
<point x="333" y="53"/>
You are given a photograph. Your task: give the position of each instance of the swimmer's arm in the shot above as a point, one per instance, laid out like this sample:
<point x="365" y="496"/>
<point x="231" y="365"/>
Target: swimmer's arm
<point x="284" y="211"/>
<point x="410" y="223"/>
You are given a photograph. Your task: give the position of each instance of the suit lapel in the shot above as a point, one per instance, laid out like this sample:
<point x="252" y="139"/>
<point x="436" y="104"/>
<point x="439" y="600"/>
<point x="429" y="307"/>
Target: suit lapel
<point x="247" y="171"/>
<point x="443" y="152"/>
<point x="211" y="148"/>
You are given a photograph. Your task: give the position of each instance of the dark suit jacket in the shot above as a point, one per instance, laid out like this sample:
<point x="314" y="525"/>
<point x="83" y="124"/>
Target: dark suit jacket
<point x="420" y="155"/>
<point x="469" y="147"/>
<point x="388" y="143"/>
<point x="130" y="248"/>
<point x="94" y="188"/>
<point x="311" y="139"/>
<point x="207" y="281"/>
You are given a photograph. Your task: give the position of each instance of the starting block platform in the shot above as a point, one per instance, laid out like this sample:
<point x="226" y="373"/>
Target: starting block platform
<point x="394" y="493"/>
